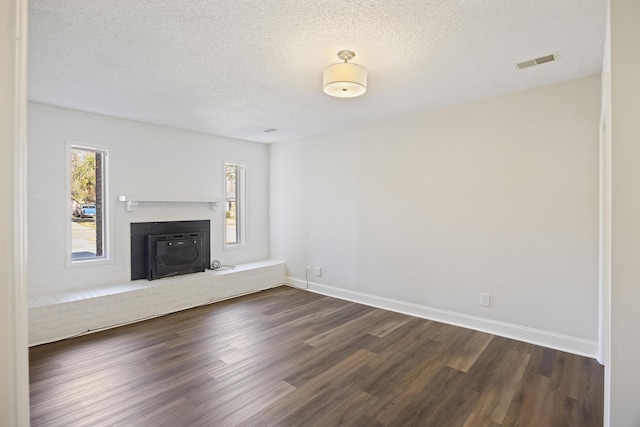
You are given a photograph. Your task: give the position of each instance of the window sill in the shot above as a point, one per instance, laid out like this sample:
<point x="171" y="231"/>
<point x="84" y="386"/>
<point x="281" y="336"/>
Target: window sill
<point x="86" y="262"/>
<point x="233" y="246"/>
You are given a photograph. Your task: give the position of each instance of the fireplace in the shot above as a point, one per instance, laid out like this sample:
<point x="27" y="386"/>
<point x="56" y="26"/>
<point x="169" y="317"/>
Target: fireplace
<point x="164" y="249"/>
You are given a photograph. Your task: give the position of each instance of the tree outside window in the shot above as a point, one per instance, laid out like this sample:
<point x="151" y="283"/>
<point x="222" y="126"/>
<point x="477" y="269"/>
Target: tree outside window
<point x="87" y="207"/>
<point x="234" y="215"/>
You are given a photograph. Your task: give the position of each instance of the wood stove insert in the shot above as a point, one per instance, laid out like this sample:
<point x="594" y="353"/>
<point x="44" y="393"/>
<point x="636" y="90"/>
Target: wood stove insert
<point x="164" y="249"/>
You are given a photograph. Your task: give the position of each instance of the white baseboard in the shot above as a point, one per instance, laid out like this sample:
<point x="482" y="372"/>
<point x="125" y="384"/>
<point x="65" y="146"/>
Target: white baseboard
<point x="553" y="340"/>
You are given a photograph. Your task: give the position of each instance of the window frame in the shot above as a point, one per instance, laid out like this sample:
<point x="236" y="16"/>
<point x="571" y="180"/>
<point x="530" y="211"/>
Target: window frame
<point x="241" y="205"/>
<point x="105" y="258"/>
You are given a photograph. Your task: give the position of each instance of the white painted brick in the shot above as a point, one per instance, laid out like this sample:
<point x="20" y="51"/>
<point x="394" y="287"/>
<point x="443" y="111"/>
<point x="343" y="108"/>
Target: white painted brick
<point x="140" y="299"/>
<point x="128" y="141"/>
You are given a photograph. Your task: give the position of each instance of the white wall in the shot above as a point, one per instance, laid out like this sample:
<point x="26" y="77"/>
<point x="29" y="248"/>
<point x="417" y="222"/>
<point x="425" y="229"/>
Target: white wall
<point x="144" y="161"/>
<point x="497" y="196"/>
<point x="623" y="370"/>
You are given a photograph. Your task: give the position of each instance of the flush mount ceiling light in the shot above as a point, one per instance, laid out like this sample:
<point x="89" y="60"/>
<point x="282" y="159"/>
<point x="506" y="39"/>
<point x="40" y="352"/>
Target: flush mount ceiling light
<point x="345" y="80"/>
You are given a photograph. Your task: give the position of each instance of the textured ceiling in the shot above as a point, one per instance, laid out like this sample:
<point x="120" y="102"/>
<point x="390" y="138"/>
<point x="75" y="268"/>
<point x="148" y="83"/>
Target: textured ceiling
<point x="238" y="67"/>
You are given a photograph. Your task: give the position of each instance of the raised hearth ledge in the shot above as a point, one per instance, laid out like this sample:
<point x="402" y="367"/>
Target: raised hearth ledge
<point x="65" y="314"/>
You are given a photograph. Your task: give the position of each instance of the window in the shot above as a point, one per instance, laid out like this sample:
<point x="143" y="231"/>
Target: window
<point x="235" y="212"/>
<point x="87" y="214"/>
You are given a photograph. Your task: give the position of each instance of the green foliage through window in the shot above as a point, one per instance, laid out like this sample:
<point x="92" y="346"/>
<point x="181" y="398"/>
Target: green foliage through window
<point x="83" y="175"/>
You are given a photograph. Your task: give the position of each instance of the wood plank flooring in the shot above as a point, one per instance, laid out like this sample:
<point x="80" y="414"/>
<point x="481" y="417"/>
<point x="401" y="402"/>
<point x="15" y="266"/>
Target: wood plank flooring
<point x="287" y="357"/>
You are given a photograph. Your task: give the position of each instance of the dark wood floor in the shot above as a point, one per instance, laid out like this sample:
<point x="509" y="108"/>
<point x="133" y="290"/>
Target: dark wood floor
<point x="287" y="357"/>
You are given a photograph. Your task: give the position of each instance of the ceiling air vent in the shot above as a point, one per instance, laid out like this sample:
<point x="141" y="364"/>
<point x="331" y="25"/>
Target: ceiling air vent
<point x="537" y="61"/>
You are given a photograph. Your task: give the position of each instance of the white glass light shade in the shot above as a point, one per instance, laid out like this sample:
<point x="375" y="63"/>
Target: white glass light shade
<point x="345" y="80"/>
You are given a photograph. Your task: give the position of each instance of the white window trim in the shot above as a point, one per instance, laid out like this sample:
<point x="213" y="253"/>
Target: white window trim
<point x="106" y="211"/>
<point x="241" y="220"/>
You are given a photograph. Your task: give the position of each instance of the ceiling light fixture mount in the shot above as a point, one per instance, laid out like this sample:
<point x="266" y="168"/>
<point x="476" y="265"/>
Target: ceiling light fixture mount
<point x="346" y="55"/>
<point x="345" y="80"/>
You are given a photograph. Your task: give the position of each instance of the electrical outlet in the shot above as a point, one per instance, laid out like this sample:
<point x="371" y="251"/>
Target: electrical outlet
<point x="485" y="300"/>
<point x="318" y="271"/>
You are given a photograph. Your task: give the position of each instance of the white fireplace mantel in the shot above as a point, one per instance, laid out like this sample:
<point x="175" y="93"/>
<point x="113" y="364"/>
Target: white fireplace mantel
<point x="133" y="202"/>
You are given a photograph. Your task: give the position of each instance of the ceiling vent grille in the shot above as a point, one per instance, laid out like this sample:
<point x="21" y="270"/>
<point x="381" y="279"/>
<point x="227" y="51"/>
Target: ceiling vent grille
<point x="536" y="61"/>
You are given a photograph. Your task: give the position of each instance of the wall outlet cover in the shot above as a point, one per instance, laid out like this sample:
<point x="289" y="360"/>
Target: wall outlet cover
<point x="485" y="300"/>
